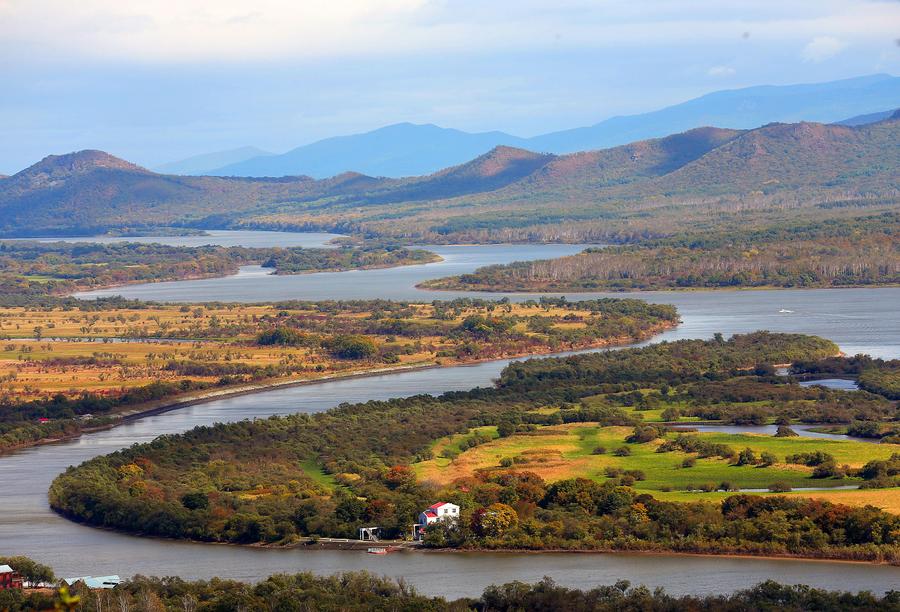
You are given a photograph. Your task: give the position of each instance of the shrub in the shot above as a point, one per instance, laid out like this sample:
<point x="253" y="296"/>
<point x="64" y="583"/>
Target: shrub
<point x="779" y="487"/>
<point x="689" y="462"/>
<point x="766" y="459"/>
<point x="785" y="432"/>
<point x="282" y="336"/>
<point x="622" y="451"/>
<point x="599" y="450"/>
<point x="746" y="457"/>
<point x="352" y="347"/>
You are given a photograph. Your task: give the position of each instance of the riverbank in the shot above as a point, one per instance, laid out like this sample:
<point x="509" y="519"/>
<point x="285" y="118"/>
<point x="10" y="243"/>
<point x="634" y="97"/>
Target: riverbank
<point x="677" y="553"/>
<point x="437" y="285"/>
<point x="408" y="546"/>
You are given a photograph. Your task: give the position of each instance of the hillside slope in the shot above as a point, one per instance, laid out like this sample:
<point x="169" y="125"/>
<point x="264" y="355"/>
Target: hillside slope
<point x="704" y="176"/>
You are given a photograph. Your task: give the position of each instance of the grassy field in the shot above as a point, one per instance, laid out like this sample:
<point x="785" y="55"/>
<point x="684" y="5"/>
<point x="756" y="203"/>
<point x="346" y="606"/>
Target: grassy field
<point x="567" y="451"/>
<point x="48" y="351"/>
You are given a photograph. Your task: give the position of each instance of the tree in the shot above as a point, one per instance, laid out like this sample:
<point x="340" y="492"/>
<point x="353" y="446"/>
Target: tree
<point x="398" y="476"/>
<point x="30" y="570"/>
<point x="195" y="501"/>
<point x="671" y="414"/>
<point x="746" y="457"/>
<point x="352" y="347"/>
<point x="767" y="459"/>
<point x="495" y="520"/>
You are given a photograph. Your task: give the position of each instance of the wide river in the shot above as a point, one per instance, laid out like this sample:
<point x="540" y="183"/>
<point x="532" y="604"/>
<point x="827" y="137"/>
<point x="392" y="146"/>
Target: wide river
<point x="859" y="320"/>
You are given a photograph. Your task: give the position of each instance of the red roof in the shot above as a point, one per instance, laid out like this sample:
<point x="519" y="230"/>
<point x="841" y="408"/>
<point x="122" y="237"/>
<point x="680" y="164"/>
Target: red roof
<point x="430" y="512"/>
<point x="437" y="505"/>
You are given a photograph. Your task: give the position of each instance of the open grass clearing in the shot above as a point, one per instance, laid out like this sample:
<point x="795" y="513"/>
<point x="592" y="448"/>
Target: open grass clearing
<point x="567" y="451"/>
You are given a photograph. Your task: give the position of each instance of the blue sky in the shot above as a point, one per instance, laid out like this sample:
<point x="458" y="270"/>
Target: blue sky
<point x="154" y="80"/>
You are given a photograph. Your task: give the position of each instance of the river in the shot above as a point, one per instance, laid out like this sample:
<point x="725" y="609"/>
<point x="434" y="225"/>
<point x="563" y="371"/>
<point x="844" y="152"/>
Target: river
<point x="859" y="320"/>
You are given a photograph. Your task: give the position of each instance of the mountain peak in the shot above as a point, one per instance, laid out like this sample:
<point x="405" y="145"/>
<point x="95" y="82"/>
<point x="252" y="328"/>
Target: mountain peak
<point x="500" y="160"/>
<point x="80" y="162"/>
<point x="54" y="170"/>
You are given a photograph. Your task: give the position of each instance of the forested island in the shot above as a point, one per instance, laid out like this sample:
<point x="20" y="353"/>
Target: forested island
<point x="858" y="252"/>
<point x="31" y="271"/>
<point x="72" y="365"/>
<point x="499" y="454"/>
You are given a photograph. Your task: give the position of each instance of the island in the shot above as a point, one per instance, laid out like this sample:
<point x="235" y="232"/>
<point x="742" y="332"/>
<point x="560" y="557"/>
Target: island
<point x="595" y="452"/>
<point x="67" y="366"/>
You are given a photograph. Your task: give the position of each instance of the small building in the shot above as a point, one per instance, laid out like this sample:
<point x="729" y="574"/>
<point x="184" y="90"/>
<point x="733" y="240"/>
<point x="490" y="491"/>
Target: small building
<point x="9" y="578"/>
<point x="441" y="511"/>
<point x="95" y="582"/>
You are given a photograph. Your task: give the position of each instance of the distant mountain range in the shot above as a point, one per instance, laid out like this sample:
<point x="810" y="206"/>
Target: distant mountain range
<point x="505" y="194"/>
<point x="866" y="119"/>
<point x="406" y="149"/>
<point x="201" y="164"/>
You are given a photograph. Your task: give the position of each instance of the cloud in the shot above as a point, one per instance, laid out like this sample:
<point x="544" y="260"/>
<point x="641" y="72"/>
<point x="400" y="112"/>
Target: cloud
<point x="822" y="48"/>
<point x="199" y="31"/>
<point x="721" y="71"/>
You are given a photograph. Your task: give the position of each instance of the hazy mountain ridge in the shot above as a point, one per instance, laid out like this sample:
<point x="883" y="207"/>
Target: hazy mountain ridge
<point x="866" y="119"/>
<point x="406" y="149"/>
<point x="398" y="150"/>
<point x="506" y="187"/>
<point x="201" y="164"/>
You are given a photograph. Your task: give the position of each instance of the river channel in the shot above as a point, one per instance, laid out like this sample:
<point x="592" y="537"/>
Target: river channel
<point x="860" y="320"/>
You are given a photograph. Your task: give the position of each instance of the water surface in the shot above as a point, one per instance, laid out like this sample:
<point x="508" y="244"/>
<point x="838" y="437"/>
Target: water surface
<point x="29" y="527"/>
<point x="859" y="320"/>
<point x="227" y="238"/>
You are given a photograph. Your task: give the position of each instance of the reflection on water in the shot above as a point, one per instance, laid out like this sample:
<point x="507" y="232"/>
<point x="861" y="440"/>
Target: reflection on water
<point x="841" y="384"/>
<point x="227" y="238"/>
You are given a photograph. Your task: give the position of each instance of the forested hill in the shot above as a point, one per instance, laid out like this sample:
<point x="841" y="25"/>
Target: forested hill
<point x="645" y="189"/>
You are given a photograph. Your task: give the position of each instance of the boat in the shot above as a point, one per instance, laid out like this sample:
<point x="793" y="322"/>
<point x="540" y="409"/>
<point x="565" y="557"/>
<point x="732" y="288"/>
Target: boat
<point x="377" y="551"/>
<point x="786" y="311"/>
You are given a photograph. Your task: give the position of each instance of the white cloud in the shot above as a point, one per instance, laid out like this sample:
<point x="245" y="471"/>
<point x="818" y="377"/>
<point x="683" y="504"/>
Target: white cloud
<point x="822" y="48"/>
<point x="721" y="71"/>
<point x="180" y="31"/>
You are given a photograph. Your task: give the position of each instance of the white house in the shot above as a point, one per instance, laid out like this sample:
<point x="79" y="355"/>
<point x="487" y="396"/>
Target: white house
<point x="441" y="511"/>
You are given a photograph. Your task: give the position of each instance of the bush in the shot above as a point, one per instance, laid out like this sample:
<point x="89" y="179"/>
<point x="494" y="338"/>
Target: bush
<point x="622" y="451"/>
<point x="689" y="462"/>
<point x="352" y="347"/>
<point x="785" y="432"/>
<point x="779" y="487"/>
<point x="746" y="457"/>
<point x="671" y="414"/>
<point x="599" y="450"/>
<point x="767" y="459"/>
<point x="282" y="336"/>
<point x="829" y="469"/>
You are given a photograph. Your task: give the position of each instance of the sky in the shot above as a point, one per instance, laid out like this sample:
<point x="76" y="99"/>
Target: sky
<point x="157" y="80"/>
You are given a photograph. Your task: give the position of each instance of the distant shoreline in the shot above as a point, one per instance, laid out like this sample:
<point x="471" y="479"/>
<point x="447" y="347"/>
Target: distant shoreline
<point x="424" y="286"/>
